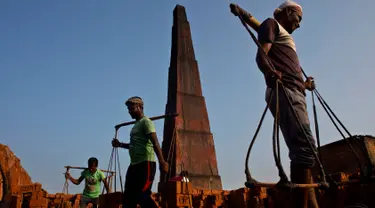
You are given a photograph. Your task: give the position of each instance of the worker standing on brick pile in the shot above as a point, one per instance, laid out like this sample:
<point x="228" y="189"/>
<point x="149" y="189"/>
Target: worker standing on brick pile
<point x="93" y="177"/>
<point x="274" y="36"/>
<point x="141" y="172"/>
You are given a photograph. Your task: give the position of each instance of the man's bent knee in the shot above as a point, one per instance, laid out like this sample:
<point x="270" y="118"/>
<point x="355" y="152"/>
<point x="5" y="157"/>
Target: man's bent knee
<point x="302" y="157"/>
<point x="306" y="164"/>
<point x="303" y="148"/>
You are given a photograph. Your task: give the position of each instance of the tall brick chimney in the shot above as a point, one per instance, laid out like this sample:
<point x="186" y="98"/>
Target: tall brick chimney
<point x="193" y="149"/>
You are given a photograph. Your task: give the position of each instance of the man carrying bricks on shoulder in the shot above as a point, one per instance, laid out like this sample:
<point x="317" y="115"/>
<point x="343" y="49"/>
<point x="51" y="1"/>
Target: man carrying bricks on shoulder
<point x="143" y="144"/>
<point x="275" y="38"/>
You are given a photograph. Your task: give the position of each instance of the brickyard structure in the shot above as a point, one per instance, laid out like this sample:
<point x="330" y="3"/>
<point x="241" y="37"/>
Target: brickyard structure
<point x="186" y="137"/>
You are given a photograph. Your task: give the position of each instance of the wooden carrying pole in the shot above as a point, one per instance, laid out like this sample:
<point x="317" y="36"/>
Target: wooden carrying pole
<point x="274" y="185"/>
<point x="82" y="168"/>
<point x="151" y="118"/>
<point x="113" y="173"/>
<point x="249" y="19"/>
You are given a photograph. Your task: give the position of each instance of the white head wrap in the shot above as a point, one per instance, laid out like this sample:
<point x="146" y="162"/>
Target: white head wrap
<point x="286" y="4"/>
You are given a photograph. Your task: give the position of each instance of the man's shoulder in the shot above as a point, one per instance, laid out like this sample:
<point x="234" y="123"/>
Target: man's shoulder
<point x="268" y="31"/>
<point x="85" y="172"/>
<point x="146" y="119"/>
<point x="148" y="125"/>
<point x="100" y="173"/>
<point x="269" y="21"/>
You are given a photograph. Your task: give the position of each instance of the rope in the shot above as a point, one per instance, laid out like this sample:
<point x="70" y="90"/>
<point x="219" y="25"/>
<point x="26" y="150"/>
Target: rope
<point x="119" y="170"/>
<point x="110" y="167"/>
<point x="343" y="136"/>
<point x="247" y="172"/>
<point x="327" y="108"/>
<point x="276" y="138"/>
<point x="170" y="157"/>
<point x="170" y="154"/>
<point x="114" y="158"/>
<point x="316" y="126"/>
<point x="65" y="189"/>
<point x="323" y="173"/>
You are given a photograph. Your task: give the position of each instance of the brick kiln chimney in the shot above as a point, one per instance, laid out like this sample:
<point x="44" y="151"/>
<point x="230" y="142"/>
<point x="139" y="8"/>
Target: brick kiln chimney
<point x="193" y="148"/>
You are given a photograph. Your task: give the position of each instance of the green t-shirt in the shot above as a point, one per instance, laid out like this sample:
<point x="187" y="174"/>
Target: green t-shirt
<point x="92" y="182"/>
<point x="140" y="147"/>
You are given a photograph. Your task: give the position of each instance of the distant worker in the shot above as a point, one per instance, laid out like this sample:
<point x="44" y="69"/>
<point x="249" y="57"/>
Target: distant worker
<point x="275" y="38"/>
<point x="92" y="176"/>
<point x="142" y="148"/>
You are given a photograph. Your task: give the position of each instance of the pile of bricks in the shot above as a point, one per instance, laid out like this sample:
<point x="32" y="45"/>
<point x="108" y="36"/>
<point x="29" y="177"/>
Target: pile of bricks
<point x="13" y="174"/>
<point x="33" y="195"/>
<point x="61" y="200"/>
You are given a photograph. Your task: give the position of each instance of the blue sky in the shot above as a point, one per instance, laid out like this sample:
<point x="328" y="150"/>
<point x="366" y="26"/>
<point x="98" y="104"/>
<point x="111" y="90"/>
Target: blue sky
<point x="68" y="66"/>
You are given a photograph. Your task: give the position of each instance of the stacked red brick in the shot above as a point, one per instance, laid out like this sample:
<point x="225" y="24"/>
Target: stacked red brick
<point x="13" y="174"/>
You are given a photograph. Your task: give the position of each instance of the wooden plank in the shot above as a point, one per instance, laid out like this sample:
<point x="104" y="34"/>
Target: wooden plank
<point x="83" y="168"/>
<point x="151" y="118"/>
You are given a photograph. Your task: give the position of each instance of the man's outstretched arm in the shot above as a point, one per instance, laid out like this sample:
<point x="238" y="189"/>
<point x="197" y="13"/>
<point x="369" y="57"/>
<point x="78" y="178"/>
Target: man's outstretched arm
<point x="124" y="145"/>
<point x="117" y="143"/>
<point x="73" y="180"/>
<point x="105" y="182"/>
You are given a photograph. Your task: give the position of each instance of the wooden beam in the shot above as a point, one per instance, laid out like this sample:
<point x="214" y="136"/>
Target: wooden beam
<point x="83" y="168"/>
<point x="275" y="185"/>
<point x="152" y="118"/>
<point x="248" y="18"/>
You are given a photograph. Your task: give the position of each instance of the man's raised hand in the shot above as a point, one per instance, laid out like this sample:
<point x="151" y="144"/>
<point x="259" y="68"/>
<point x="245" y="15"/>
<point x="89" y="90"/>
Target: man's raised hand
<point x="234" y="9"/>
<point x="115" y="143"/>
<point x="310" y="84"/>
<point x="67" y="175"/>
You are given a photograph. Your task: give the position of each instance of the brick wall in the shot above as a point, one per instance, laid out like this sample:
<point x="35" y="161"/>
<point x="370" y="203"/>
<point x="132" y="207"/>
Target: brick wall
<point x="14" y="175"/>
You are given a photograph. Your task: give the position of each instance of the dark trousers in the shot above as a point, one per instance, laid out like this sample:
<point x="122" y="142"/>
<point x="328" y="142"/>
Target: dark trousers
<point x="86" y="200"/>
<point x="300" y="152"/>
<point x="138" y="184"/>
